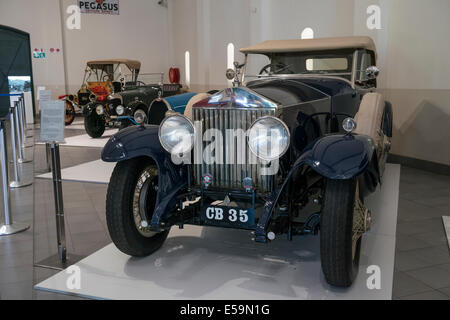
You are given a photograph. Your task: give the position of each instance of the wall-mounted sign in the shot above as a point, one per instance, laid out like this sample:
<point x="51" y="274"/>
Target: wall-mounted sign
<point x="99" y="6"/>
<point x="19" y="85"/>
<point x="39" y="54"/>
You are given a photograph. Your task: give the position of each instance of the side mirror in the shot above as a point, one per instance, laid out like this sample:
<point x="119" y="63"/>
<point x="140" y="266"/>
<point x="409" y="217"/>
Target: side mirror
<point x="230" y="74"/>
<point x="372" y="72"/>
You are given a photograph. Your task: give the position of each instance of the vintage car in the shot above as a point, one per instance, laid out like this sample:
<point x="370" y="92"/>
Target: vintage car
<point x="293" y="148"/>
<point x="130" y="106"/>
<point x="101" y="78"/>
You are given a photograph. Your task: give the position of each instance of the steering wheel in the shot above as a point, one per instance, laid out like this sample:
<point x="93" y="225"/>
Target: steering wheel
<point x="280" y="66"/>
<point x="141" y="83"/>
<point x="105" y="78"/>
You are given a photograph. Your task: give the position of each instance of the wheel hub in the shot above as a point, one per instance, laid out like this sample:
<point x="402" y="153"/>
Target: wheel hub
<point x="362" y="221"/>
<point x="144" y="197"/>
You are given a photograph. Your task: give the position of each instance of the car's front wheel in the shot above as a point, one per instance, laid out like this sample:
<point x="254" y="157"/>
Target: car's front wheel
<point x="94" y="125"/>
<point x="131" y="198"/>
<point x="340" y="233"/>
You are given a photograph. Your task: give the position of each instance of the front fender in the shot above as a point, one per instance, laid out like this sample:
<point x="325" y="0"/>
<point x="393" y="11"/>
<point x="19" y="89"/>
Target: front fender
<point x="340" y="156"/>
<point x="143" y="141"/>
<point x="336" y="157"/>
<point x="131" y="107"/>
<point x="87" y="109"/>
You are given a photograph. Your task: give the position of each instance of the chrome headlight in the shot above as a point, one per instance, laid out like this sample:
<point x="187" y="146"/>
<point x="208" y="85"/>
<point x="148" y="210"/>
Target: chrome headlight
<point x="349" y="125"/>
<point x="176" y="134"/>
<point x="100" y="109"/>
<point x="140" y="117"/>
<point x="120" y="110"/>
<point x="269" y="138"/>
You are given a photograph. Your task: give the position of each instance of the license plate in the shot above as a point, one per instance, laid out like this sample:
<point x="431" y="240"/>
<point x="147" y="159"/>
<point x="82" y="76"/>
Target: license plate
<point x="228" y="217"/>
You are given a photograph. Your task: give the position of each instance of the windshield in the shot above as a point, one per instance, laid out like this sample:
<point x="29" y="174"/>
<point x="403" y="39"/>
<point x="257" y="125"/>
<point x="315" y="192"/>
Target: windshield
<point x="144" y="79"/>
<point x="333" y="63"/>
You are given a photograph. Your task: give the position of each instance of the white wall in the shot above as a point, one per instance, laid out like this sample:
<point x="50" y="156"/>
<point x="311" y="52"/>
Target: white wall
<point x="140" y="32"/>
<point x="414" y="61"/>
<point x="41" y="19"/>
<point x="205" y="27"/>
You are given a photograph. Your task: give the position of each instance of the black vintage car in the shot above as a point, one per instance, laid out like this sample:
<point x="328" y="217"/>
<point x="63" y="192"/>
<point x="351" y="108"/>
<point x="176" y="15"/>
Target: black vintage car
<point x="111" y="97"/>
<point x="293" y="151"/>
<point x="130" y="105"/>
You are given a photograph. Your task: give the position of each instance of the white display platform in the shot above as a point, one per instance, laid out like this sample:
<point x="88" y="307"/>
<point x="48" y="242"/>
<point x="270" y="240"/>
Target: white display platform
<point x="85" y="140"/>
<point x="96" y="172"/>
<point x="213" y="263"/>
<point x="76" y="125"/>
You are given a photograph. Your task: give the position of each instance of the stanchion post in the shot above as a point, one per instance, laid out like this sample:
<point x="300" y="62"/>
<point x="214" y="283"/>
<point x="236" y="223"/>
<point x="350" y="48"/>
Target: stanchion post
<point x="21" y="156"/>
<point x="15" y="147"/>
<point x="9" y="227"/>
<point x="20" y="128"/>
<point x="24" y="111"/>
<point x="22" y="123"/>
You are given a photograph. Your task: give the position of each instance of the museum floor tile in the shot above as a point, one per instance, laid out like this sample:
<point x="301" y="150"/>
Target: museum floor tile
<point x="422" y="261"/>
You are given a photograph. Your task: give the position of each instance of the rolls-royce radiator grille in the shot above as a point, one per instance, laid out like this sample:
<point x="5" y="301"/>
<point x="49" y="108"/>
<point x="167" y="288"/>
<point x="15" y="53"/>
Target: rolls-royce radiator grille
<point x="227" y="158"/>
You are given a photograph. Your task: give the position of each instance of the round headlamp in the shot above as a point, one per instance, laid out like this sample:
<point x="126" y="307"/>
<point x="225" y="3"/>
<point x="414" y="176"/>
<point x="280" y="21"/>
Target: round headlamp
<point x="139" y="116"/>
<point x="99" y="109"/>
<point x="269" y="138"/>
<point x="349" y="125"/>
<point x="120" y="110"/>
<point x="176" y="134"/>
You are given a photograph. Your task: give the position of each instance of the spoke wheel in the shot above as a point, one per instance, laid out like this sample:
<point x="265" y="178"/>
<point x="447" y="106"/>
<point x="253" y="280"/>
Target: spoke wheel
<point x="144" y="200"/>
<point x="130" y="203"/>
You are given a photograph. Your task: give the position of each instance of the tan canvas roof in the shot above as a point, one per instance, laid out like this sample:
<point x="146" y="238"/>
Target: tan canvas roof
<point x="132" y="64"/>
<point x="304" y="45"/>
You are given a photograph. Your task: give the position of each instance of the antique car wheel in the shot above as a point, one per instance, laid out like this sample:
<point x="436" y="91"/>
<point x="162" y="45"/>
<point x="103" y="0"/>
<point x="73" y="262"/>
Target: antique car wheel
<point x="340" y="237"/>
<point x="132" y="193"/>
<point x="94" y="125"/>
<point x="70" y="113"/>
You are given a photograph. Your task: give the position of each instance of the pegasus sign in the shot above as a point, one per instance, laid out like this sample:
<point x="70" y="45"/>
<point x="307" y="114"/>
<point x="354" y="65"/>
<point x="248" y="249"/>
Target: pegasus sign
<point x="99" y="6"/>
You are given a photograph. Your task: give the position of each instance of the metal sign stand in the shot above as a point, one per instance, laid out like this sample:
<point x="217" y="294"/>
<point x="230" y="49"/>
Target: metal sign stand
<point x="9" y="227"/>
<point x="61" y="260"/>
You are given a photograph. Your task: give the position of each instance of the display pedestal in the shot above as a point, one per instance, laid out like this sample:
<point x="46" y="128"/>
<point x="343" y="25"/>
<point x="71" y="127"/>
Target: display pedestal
<point x="213" y="263"/>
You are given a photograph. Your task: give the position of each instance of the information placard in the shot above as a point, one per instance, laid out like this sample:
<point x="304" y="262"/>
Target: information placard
<point x="52" y="121"/>
<point x="44" y="95"/>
